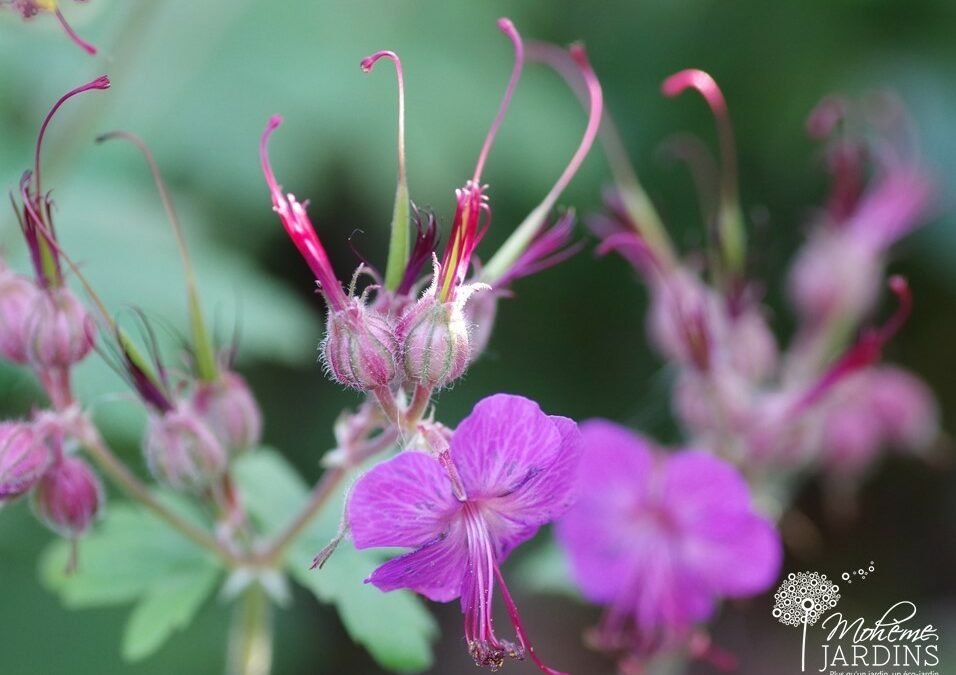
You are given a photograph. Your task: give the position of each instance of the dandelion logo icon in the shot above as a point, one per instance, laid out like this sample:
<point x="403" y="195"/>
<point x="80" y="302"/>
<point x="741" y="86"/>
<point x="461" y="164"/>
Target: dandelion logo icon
<point x="801" y="600"/>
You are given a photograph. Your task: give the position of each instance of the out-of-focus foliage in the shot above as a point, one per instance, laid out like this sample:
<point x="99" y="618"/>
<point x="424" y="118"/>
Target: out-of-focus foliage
<point x="198" y="80"/>
<point x="395" y="627"/>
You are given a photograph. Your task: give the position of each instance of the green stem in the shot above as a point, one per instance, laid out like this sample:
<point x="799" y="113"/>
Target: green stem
<point x="320" y="496"/>
<point x="135" y="488"/>
<point x="251" y="635"/>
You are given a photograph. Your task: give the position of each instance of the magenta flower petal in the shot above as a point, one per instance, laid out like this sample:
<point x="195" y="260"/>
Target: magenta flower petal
<point x="510" y="469"/>
<point x="736" y="551"/>
<point x="602" y="559"/>
<point x="436" y="570"/>
<point x="405" y="501"/>
<point x="660" y="537"/>
<point x="505" y="442"/>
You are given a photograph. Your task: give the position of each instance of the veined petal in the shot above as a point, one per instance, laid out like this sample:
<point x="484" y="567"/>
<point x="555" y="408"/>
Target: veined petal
<point x="435" y="570"/>
<point x="545" y="494"/>
<point x="405" y="501"/>
<point x="502" y="444"/>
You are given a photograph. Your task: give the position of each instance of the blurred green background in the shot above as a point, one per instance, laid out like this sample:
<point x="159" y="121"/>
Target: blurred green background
<point x="198" y="80"/>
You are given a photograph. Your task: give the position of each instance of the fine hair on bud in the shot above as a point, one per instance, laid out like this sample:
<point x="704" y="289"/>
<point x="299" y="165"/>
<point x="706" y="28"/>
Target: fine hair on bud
<point x="181" y="451"/>
<point x="19" y="297"/>
<point x="68" y="497"/>
<point x="435" y="343"/>
<point x="61" y="332"/>
<point x="230" y="410"/>
<point x="360" y="347"/>
<point x="24" y="458"/>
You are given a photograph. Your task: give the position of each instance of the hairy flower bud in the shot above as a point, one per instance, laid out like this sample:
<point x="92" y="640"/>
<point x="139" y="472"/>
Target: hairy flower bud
<point x="61" y="332"/>
<point x="181" y="451"/>
<point x="68" y="497"/>
<point x="434" y="340"/>
<point x="19" y="297"/>
<point x="360" y="348"/>
<point x="229" y="409"/>
<point x="24" y="458"/>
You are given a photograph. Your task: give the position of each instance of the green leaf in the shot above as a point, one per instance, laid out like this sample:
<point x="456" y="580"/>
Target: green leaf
<point x="395" y="627"/>
<point x="133" y="556"/>
<point x="170" y="604"/>
<point x="119" y="559"/>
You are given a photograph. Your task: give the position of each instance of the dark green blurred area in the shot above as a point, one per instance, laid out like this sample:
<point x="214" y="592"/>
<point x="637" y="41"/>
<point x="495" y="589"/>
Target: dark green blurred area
<point x="198" y="81"/>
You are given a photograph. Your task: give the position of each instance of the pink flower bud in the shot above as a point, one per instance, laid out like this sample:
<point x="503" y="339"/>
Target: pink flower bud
<point x="230" y="411"/>
<point x="61" y="332"/>
<point x="833" y="273"/>
<point x="360" y="348"/>
<point x="24" y="458"/>
<point x="68" y="497"/>
<point x="752" y="345"/>
<point x="19" y="298"/>
<point x="181" y="451"/>
<point x="434" y="340"/>
<point x="906" y="408"/>
<point x="685" y="321"/>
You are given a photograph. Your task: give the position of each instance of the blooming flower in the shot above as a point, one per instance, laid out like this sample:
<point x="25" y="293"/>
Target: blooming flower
<point x="660" y="538"/>
<point x="508" y="470"/>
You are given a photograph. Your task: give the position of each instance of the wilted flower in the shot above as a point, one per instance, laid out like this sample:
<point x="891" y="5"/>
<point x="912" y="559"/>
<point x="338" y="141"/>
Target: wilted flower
<point x="661" y="538"/>
<point x="510" y="469"/>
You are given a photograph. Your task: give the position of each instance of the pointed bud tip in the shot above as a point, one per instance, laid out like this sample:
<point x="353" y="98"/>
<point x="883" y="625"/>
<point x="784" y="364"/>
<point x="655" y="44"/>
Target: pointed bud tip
<point x="900" y="286"/>
<point x="579" y="54"/>
<point x="694" y="78"/>
<point x="369" y="61"/>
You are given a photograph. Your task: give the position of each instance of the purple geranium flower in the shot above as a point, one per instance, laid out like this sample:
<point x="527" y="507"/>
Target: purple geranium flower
<point x="509" y="469"/>
<point x="659" y="538"/>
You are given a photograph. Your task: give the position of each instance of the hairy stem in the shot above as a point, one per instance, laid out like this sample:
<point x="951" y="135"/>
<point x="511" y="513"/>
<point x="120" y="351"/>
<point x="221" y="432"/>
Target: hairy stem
<point x="135" y="488"/>
<point x="250" y="638"/>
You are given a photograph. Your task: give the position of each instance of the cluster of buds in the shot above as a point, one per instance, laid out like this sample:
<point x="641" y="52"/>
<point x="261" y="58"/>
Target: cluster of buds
<point x="45" y="326"/>
<point x="194" y="426"/>
<point x="66" y="492"/>
<point x="736" y="390"/>
<point x="28" y="9"/>
<point x="42" y="322"/>
<point x="822" y="402"/>
<point x="407" y="339"/>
